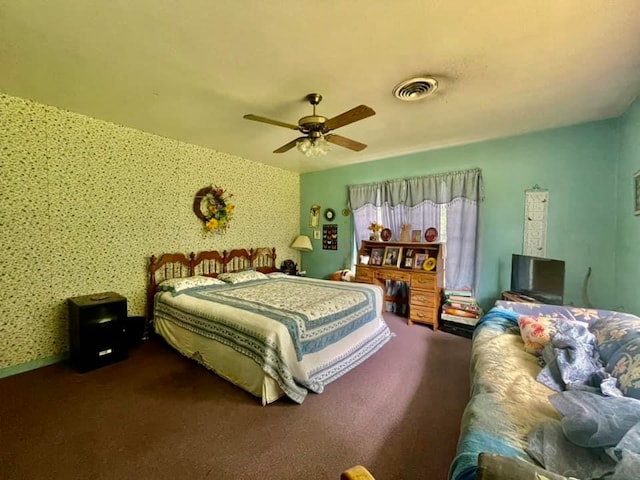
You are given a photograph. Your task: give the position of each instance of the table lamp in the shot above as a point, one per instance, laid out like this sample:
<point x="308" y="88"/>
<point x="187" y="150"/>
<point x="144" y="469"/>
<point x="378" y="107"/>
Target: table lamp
<point x="303" y="244"/>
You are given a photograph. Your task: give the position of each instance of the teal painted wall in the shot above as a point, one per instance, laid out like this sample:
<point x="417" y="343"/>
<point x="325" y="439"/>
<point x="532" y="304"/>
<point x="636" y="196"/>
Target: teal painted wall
<point x="628" y="228"/>
<point x="576" y="164"/>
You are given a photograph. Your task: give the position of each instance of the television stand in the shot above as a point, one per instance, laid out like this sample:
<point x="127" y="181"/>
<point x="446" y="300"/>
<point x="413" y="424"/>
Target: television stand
<point x="518" y="297"/>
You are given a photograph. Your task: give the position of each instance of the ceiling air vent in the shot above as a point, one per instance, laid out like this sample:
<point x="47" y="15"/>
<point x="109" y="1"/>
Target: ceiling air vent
<point x="415" y="88"/>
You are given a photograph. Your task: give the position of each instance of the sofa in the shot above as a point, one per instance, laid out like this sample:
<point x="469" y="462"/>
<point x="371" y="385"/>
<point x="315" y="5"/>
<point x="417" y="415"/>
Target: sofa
<point x="553" y="389"/>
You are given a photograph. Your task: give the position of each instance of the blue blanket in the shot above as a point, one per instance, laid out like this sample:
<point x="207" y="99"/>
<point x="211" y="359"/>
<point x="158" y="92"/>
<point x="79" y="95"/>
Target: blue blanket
<point x="572" y="362"/>
<point x="498" y="319"/>
<point x="597" y="437"/>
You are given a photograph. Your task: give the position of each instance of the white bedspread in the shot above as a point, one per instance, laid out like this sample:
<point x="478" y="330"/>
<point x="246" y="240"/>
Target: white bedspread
<point x="304" y="333"/>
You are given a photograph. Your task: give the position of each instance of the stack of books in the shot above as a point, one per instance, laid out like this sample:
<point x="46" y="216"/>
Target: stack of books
<point x="460" y="312"/>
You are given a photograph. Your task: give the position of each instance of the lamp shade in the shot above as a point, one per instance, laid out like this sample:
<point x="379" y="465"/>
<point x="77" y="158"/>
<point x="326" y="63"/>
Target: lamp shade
<point x="302" y="243"/>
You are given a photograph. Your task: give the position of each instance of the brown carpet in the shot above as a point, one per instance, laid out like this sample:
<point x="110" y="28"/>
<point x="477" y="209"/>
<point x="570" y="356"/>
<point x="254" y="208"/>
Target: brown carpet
<point x="159" y="415"/>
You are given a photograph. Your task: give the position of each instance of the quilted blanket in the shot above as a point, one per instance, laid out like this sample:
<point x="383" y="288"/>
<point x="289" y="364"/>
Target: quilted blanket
<point x="315" y="314"/>
<point x="302" y="332"/>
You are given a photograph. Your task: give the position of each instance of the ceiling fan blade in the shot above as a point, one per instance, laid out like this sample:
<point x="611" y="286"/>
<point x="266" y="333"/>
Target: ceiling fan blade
<point x="288" y="146"/>
<point x="256" y="118"/>
<point x="358" y="113"/>
<point x="345" y="142"/>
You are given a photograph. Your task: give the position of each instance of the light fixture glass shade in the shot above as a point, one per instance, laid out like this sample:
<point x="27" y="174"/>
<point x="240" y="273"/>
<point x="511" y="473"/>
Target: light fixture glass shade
<point x="302" y="243"/>
<point x="313" y="148"/>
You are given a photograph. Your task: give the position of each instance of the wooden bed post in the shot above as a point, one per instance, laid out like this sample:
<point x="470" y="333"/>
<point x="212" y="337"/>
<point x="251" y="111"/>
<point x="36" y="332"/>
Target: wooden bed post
<point x="151" y="291"/>
<point x="192" y="264"/>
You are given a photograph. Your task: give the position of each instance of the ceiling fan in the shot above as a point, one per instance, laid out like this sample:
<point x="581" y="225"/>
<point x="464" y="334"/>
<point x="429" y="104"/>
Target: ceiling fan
<point x="316" y="128"/>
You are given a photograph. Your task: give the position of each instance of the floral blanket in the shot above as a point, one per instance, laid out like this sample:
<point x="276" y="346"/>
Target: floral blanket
<point x="507" y="401"/>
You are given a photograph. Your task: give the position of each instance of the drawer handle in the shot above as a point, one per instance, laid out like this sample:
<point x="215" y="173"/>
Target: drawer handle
<point x="421" y="315"/>
<point x="420" y="298"/>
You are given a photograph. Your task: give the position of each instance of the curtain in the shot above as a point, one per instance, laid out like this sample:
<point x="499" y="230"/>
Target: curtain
<point x="422" y="202"/>
<point x="462" y="243"/>
<point x="364" y="201"/>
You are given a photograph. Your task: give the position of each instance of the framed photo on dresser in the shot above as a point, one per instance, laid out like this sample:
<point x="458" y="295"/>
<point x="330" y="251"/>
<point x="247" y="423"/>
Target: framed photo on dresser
<point x="418" y="260"/>
<point x="408" y="258"/>
<point x="377" y="254"/>
<point x="392" y="256"/>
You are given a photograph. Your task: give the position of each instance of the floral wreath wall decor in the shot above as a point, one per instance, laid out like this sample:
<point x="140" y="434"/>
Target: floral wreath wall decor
<point x="212" y="205"/>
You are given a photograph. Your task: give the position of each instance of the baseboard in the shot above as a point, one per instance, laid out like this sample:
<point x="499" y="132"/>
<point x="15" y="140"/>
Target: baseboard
<point x="25" y="367"/>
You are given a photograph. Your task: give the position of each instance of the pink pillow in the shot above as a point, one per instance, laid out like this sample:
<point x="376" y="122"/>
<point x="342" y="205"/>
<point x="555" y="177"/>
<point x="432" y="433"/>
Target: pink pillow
<point x="536" y="333"/>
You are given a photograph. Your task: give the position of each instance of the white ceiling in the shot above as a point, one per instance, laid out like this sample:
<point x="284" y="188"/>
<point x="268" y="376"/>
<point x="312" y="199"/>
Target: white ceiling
<point x="191" y="69"/>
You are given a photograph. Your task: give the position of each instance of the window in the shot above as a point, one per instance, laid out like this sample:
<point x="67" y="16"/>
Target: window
<point x="449" y="202"/>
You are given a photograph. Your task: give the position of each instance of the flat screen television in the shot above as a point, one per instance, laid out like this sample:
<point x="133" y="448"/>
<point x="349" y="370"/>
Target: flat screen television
<point x="538" y="278"/>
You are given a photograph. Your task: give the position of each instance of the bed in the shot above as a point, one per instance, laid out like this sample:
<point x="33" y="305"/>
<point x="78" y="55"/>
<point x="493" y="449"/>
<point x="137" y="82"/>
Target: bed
<point x="269" y="333"/>
<point x="555" y="387"/>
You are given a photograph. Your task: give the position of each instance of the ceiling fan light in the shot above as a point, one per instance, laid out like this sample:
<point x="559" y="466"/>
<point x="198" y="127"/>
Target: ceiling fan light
<point x="313" y="148"/>
<point x="321" y="144"/>
<point x="303" y="145"/>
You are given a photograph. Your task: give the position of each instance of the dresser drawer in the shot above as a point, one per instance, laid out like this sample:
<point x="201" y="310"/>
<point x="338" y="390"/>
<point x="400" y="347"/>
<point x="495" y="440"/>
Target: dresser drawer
<point x="423" y="298"/>
<point x="423" y="315"/>
<point x="394" y="275"/>
<point x="424" y="281"/>
<point x="364" y="274"/>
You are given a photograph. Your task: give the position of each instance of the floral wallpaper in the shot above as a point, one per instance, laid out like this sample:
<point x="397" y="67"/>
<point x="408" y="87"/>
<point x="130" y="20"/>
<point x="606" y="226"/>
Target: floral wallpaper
<point x="84" y="203"/>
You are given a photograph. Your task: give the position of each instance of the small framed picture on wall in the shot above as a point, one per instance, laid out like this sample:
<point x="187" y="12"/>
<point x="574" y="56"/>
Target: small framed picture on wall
<point x="416" y="235"/>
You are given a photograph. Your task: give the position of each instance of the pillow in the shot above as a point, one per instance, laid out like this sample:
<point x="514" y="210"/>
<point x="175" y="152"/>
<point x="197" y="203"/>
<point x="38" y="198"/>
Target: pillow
<point x="614" y="332"/>
<point x="179" y="285"/>
<point x="276" y="275"/>
<point x="535" y="332"/>
<point x="626" y="368"/>
<point x="239" y="277"/>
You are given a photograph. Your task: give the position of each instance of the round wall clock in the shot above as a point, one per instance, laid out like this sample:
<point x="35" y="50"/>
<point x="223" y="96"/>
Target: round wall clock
<point x="329" y="214"/>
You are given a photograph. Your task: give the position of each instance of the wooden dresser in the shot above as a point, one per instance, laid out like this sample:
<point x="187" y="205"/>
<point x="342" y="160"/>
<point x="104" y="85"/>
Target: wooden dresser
<point x="424" y="286"/>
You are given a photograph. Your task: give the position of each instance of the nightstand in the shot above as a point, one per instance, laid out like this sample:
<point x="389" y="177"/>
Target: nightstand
<point x="97" y="330"/>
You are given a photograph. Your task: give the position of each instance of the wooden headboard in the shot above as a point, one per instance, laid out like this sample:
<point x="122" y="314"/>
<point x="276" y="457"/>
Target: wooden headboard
<point x="208" y="263"/>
